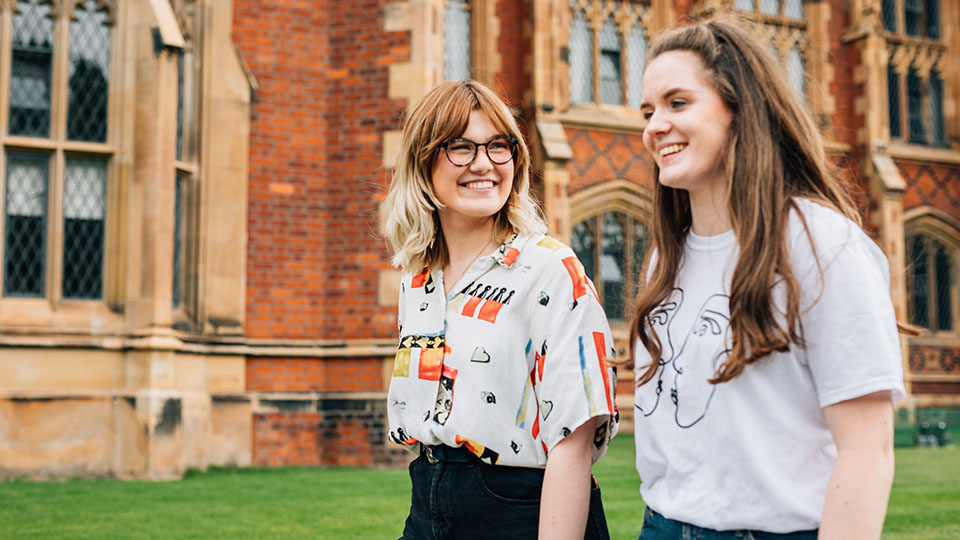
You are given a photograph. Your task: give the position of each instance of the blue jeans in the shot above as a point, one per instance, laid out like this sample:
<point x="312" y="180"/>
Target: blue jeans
<point x="657" y="527"/>
<point x="472" y="500"/>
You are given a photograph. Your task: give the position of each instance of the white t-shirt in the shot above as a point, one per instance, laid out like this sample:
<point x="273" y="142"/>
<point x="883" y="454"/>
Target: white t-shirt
<point x="756" y="452"/>
<point x="511" y="362"/>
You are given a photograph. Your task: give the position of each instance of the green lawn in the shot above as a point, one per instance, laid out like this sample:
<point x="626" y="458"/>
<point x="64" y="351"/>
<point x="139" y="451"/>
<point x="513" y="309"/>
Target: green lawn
<point x="358" y="504"/>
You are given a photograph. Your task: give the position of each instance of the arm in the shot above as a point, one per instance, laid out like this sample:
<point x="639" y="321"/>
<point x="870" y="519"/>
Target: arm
<point x="565" y="496"/>
<point x="859" y="487"/>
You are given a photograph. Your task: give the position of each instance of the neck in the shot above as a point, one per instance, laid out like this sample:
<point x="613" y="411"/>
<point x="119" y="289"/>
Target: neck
<point x="463" y="239"/>
<point x="708" y="212"/>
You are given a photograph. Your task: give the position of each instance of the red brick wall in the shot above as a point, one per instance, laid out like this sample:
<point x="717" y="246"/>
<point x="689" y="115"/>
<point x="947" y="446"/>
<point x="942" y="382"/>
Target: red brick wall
<point x="314" y="374"/>
<point x="333" y="437"/>
<point x="315" y="157"/>
<point x="514" y="48"/>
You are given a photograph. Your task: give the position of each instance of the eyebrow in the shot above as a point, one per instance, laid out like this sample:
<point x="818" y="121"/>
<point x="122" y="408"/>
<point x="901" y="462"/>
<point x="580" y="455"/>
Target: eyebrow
<point x="667" y="95"/>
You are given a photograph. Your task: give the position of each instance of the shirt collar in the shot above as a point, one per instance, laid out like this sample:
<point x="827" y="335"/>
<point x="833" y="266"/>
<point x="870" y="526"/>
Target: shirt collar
<point x="508" y="252"/>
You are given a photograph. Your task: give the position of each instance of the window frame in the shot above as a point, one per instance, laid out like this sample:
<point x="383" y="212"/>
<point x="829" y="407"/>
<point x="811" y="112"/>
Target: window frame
<point x="187" y="188"/>
<point x="59" y="149"/>
<point x="620" y="197"/>
<point x="933" y="226"/>
<point x="921" y="57"/>
<point x="626" y="16"/>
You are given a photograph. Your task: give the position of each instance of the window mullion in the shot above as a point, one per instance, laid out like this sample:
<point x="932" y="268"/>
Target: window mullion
<point x="6" y="55"/>
<point x="596" y="23"/>
<point x="598" y="254"/>
<point x="58" y="132"/>
<point x="932" y="277"/>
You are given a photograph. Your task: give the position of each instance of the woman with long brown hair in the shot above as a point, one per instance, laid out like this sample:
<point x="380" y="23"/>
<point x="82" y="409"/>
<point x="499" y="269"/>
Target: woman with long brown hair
<point x="500" y="382"/>
<point x="766" y="347"/>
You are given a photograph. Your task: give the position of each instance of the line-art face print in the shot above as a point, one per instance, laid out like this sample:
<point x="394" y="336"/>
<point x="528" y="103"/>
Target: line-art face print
<point x="703" y="349"/>
<point x="648" y="396"/>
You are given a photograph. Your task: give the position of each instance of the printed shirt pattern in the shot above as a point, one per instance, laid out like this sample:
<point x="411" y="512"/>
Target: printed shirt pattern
<point x="511" y="362"/>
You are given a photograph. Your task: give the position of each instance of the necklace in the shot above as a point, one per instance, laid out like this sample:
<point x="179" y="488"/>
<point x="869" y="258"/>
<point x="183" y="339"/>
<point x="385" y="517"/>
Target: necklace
<point x="448" y="284"/>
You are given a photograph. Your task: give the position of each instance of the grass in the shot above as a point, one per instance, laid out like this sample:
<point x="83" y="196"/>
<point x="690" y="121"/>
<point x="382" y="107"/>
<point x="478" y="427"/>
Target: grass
<point x="359" y="504"/>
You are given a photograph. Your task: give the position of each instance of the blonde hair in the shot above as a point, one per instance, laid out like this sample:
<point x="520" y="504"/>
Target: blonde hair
<point x="408" y="217"/>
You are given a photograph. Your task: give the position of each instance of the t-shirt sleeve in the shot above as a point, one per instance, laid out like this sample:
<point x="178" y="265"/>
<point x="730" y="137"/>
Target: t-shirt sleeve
<point x="573" y="378"/>
<point x="848" y="321"/>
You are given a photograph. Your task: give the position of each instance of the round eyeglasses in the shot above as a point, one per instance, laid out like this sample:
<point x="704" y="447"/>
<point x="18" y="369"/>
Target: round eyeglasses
<point x="462" y="152"/>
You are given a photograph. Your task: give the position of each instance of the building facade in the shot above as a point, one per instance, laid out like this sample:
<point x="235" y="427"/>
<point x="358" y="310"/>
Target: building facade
<point x="191" y="271"/>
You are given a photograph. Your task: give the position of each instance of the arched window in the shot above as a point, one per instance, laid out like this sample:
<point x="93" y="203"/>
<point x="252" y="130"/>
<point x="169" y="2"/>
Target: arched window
<point x="930" y="274"/>
<point x="611" y="246"/>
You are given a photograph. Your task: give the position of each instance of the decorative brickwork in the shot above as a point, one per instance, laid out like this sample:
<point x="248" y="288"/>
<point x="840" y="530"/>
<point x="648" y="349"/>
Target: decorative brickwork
<point x="934" y="360"/>
<point x="931" y="184"/>
<point x="606" y="155"/>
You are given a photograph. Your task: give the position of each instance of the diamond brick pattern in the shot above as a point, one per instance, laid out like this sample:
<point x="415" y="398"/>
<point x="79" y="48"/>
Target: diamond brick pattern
<point x="601" y="155"/>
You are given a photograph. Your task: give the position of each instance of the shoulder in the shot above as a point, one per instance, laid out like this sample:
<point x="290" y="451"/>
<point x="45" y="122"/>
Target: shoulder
<point x="819" y="233"/>
<point x="542" y="251"/>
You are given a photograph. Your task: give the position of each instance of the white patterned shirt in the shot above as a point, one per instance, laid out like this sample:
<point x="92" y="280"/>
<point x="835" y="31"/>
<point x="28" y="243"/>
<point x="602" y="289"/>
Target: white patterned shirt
<point x="512" y="361"/>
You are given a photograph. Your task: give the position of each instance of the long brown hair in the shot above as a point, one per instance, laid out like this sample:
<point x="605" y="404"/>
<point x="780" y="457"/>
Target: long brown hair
<point x="774" y="154"/>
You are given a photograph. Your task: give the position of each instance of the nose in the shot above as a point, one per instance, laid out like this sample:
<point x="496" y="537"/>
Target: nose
<point x="657" y="124"/>
<point x="481" y="162"/>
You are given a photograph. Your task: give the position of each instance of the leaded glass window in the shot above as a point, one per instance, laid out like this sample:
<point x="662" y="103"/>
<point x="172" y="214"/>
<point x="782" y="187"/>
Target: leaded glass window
<point x="915" y="107"/>
<point x="178" y="230"/>
<point x="59" y="114"/>
<point x="611" y="247"/>
<point x="30" y="69"/>
<point x="606" y="66"/>
<point x="456" y="40"/>
<point x="25" y="227"/>
<point x="636" y="58"/>
<point x="929" y="283"/>
<point x="915" y="72"/>
<point x="611" y="82"/>
<point x="893" y="101"/>
<point x="84" y="212"/>
<point x="935" y="99"/>
<point x="781" y="24"/>
<point x="581" y="59"/>
<point x="88" y="74"/>
<point x="889" y="11"/>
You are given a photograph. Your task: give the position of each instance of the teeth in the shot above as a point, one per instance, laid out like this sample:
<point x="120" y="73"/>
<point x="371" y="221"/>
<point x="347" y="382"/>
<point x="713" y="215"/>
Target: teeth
<point x="672" y="149"/>
<point x="480" y="184"/>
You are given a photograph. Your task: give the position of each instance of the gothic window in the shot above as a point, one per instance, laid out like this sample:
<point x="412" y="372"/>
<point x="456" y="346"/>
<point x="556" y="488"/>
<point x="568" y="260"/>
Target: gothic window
<point x="456" y="40"/>
<point x="916" y="63"/>
<point x="929" y="282"/>
<point x="607" y="51"/>
<point x="56" y="152"/>
<point x="611" y="247"/>
<point x="781" y="24"/>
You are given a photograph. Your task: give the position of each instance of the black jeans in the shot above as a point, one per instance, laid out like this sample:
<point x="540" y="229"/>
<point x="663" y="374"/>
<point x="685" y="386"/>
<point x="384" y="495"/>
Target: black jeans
<point x="473" y="500"/>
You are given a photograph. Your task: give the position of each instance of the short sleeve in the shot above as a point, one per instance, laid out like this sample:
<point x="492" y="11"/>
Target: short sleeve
<point x="573" y="378"/>
<point x="848" y="322"/>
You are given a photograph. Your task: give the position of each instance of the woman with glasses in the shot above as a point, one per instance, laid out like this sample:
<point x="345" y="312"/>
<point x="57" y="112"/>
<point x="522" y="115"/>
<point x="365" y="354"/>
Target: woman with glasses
<point x="501" y="381"/>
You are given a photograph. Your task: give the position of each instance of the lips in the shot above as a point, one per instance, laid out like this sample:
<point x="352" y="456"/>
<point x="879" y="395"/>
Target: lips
<point x="671" y="149"/>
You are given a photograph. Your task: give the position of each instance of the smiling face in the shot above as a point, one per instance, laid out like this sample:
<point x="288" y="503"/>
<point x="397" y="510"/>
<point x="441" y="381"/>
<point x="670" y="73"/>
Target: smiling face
<point x="474" y="192"/>
<point x="688" y="124"/>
